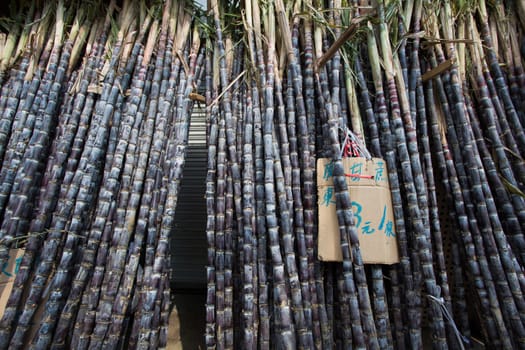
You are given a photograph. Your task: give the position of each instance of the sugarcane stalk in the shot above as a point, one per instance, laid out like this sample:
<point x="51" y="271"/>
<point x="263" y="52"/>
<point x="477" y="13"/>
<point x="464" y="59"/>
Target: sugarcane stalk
<point x="249" y="268"/>
<point x="505" y="253"/>
<point x="219" y="234"/>
<point x="56" y="168"/>
<point x="490" y="120"/>
<point x="435" y="225"/>
<point x="26" y="117"/>
<point x="106" y="210"/>
<point x="229" y="240"/>
<point x="211" y="269"/>
<point x="298" y="229"/>
<point x="455" y="92"/>
<point x="497" y="117"/>
<point x="55" y="239"/>
<point x="303" y="87"/>
<point x="12" y="100"/>
<point x="237" y="236"/>
<point x="501" y="196"/>
<point x="50" y="75"/>
<point x="413" y="181"/>
<point x="378" y="297"/>
<point x="375" y="148"/>
<point x="232" y="151"/>
<point x="347" y="323"/>
<point x="458" y="305"/>
<point x="465" y="223"/>
<point x="518" y="70"/>
<point x="285" y="335"/>
<point x="212" y="126"/>
<point x="484" y="219"/>
<point x="76" y="128"/>
<point x="118" y="248"/>
<point x="349" y="240"/>
<point x="175" y="153"/>
<point x="304" y="244"/>
<point x="499" y="79"/>
<point x="108" y="195"/>
<point x="388" y="151"/>
<point x="78" y="214"/>
<point x="28" y="174"/>
<point x="262" y="240"/>
<point x="253" y="318"/>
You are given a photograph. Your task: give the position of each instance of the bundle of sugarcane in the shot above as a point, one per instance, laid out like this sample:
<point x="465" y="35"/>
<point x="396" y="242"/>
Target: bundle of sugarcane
<point x="482" y="158"/>
<point x="95" y="106"/>
<point x="440" y="97"/>
<point x="255" y="209"/>
<point x="261" y="206"/>
<point x="92" y="144"/>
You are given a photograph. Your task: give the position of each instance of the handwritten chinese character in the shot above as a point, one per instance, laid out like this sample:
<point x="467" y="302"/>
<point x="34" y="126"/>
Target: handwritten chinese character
<point x="328" y="195"/>
<point x="357" y="209"/>
<point x="382" y="221"/>
<point x="389" y="231"/>
<point x="367" y="230"/>
<point x="4" y="269"/>
<point x="18" y="261"/>
<point x="328" y="171"/>
<point x="356" y="168"/>
<point x="380" y="171"/>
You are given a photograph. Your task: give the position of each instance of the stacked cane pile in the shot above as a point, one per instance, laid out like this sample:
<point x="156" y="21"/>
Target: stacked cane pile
<point x="95" y="104"/>
<point x="436" y="89"/>
<point x="94" y="109"/>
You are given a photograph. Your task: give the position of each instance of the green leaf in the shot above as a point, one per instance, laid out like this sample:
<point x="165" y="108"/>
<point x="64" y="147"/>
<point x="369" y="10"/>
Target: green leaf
<point x="511" y="188"/>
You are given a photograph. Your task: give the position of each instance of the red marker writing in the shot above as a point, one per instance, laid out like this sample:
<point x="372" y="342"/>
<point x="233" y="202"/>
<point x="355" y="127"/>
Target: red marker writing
<point x="360" y="176"/>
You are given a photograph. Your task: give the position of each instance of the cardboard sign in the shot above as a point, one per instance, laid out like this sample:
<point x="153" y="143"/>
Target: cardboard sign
<point x="7" y="276"/>
<point x="372" y="207"/>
